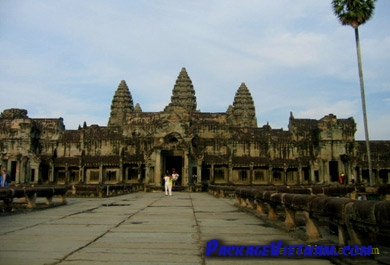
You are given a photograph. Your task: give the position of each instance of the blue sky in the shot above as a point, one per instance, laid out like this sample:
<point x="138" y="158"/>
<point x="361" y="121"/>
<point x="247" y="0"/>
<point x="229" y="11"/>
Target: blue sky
<point x="66" y="58"/>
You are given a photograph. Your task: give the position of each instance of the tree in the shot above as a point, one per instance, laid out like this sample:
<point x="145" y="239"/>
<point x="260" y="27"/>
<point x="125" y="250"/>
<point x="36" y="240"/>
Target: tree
<point x="355" y="13"/>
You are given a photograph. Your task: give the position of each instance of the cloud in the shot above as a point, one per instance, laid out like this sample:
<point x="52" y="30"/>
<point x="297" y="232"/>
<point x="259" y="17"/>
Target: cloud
<point x="67" y="59"/>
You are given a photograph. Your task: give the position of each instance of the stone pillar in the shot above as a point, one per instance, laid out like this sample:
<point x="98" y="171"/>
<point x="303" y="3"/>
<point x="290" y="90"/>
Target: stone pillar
<point x="251" y="174"/>
<point x="101" y="179"/>
<point x="36" y="174"/>
<point x="300" y="178"/>
<point x="147" y="173"/>
<point x="311" y="174"/>
<point x="157" y="170"/>
<point x="120" y="177"/>
<point x="285" y="175"/>
<point x="17" y="172"/>
<point x="323" y="173"/>
<point x="67" y="174"/>
<point x="230" y="177"/>
<point x="51" y="173"/>
<point x="212" y="173"/>
<point x="270" y="175"/>
<point x="21" y="171"/>
<point x="185" y="172"/>
<point x="199" y="171"/>
<point x="82" y="174"/>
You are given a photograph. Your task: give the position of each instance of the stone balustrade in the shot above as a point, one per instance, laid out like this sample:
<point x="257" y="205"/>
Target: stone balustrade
<point x="103" y="190"/>
<point x="29" y="195"/>
<point x="354" y="220"/>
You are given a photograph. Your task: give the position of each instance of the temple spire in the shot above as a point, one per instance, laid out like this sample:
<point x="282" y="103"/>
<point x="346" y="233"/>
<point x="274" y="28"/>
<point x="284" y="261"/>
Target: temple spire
<point x="122" y="105"/>
<point x="243" y="113"/>
<point x="183" y="93"/>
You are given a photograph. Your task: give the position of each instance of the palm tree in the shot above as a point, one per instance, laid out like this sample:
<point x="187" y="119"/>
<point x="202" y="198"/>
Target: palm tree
<point x="355" y="13"/>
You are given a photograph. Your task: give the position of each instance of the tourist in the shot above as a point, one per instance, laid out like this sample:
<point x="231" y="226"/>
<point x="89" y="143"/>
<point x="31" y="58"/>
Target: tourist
<point x="175" y="175"/>
<point x="168" y="184"/>
<point x="353" y="180"/>
<point x="341" y="179"/>
<point x="3" y="179"/>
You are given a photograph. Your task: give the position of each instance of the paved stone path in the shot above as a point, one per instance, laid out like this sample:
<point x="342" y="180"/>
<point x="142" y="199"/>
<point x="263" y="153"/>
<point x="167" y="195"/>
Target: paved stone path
<point x="138" y="228"/>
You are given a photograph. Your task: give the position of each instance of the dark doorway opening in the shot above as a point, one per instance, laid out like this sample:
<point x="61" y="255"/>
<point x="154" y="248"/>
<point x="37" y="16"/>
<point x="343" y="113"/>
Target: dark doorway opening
<point x="13" y="170"/>
<point x="32" y="177"/>
<point x="45" y="173"/>
<point x="175" y="162"/>
<point x="384" y="176"/>
<point x="306" y="174"/>
<point x="334" y="170"/>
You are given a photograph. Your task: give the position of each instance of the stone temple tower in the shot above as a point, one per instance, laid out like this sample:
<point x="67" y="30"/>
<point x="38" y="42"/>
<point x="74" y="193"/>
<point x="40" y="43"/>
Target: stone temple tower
<point x="183" y="94"/>
<point x="121" y="106"/>
<point x="242" y="113"/>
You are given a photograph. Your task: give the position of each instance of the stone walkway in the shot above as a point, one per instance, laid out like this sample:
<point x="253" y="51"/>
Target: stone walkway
<point x="138" y="228"/>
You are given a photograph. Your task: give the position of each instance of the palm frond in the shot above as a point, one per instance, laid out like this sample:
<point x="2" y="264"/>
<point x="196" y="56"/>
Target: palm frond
<point x="353" y="12"/>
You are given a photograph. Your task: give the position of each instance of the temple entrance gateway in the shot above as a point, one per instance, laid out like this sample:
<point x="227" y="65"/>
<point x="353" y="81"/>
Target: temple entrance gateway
<point x="173" y="160"/>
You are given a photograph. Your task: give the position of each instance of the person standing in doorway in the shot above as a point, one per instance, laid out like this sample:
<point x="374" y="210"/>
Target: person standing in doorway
<point x="175" y="175"/>
<point x="168" y="184"/>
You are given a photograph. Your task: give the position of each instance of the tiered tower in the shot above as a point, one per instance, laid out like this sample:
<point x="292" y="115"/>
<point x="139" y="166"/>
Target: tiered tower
<point x="242" y="113"/>
<point x="183" y="93"/>
<point x="121" y="106"/>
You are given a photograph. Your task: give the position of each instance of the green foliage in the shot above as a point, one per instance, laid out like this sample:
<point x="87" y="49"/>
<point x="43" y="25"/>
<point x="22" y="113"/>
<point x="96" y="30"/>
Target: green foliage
<point x="353" y="12"/>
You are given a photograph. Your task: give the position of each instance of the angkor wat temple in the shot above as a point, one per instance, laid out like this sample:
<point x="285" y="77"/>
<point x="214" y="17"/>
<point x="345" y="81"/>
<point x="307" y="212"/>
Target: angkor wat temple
<point x="226" y="147"/>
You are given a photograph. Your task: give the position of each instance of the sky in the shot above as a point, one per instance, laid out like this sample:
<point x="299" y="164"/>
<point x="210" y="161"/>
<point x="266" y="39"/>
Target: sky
<point x="66" y="58"/>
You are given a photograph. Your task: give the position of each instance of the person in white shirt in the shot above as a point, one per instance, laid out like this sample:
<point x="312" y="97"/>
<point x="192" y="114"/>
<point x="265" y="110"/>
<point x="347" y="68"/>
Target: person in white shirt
<point x="168" y="184"/>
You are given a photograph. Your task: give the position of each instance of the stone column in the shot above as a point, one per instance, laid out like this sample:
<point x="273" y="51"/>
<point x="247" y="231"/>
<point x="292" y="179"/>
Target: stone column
<point x="251" y="174"/>
<point x="82" y="175"/>
<point x="51" y="173"/>
<point x="17" y="172"/>
<point x="20" y="171"/>
<point x="147" y="173"/>
<point x="300" y="178"/>
<point x="139" y="174"/>
<point x="212" y="174"/>
<point x="270" y="178"/>
<point x="311" y="174"/>
<point x="157" y="170"/>
<point x="230" y="176"/>
<point x="199" y="171"/>
<point x="120" y="177"/>
<point x="323" y="172"/>
<point x="67" y="174"/>
<point x="101" y="173"/>
<point x="285" y="175"/>
<point x="185" y="172"/>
